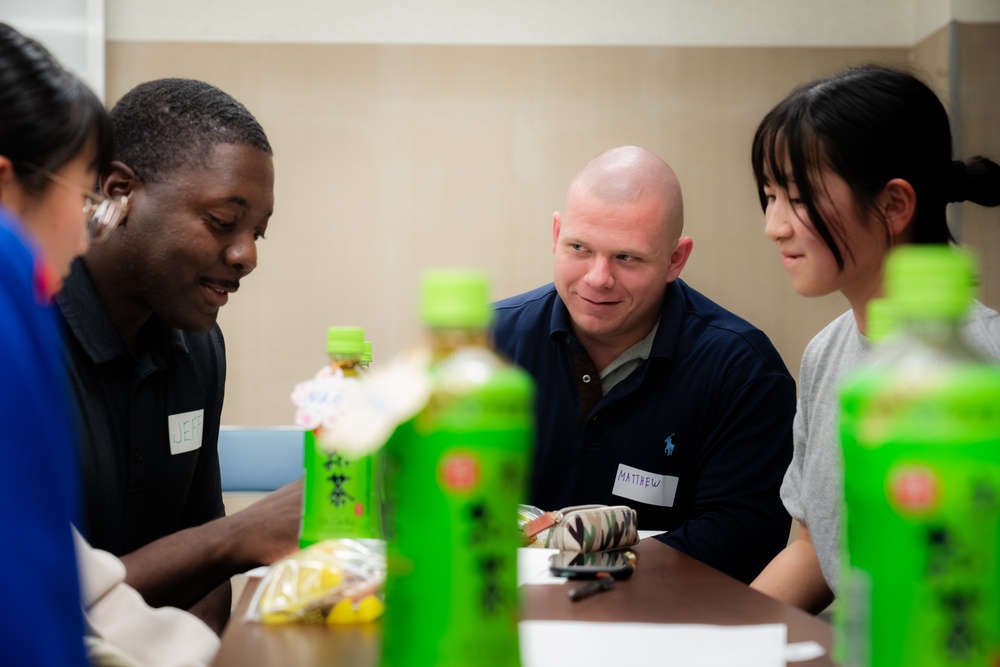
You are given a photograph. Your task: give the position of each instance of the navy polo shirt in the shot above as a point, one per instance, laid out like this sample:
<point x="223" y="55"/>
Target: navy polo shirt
<point x="696" y="439"/>
<point x="148" y="422"/>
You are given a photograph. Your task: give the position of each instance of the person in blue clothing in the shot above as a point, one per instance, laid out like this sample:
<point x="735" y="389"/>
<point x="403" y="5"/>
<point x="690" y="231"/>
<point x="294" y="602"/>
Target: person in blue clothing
<point x="65" y="603"/>
<point x="54" y="140"/>
<point x="649" y="394"/>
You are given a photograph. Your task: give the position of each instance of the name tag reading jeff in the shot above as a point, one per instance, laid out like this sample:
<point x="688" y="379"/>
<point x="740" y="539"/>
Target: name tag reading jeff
<point x="184" y="430"/>
<point x="646" y="487"/>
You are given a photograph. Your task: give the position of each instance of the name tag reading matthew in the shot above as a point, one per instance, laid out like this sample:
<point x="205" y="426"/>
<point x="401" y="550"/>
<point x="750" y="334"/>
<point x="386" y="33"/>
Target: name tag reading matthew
<point x="185" y="429"/>
<point x="646" y="487"/>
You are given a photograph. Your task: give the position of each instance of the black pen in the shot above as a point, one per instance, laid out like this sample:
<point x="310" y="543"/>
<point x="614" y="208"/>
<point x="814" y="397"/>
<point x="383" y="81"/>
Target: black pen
<point x="591" y="587"/>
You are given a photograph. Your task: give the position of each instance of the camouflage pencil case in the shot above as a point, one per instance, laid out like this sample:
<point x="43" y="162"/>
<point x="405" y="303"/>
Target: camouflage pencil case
<point x="584" y="528"/>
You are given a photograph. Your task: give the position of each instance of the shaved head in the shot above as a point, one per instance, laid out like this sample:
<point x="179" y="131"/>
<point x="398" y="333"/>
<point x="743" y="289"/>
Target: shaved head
<point x="628" y="175"/>
<point x="617" y="247"/>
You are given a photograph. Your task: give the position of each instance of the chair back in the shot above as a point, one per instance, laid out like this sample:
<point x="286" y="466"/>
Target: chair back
<point x="259" y="458"/>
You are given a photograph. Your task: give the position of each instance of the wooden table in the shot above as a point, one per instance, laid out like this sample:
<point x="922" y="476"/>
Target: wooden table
<point x="668" y="587"/>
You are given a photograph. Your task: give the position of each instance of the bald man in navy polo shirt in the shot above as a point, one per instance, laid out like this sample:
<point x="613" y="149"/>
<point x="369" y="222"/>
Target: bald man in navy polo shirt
<point x="649" y="394"/>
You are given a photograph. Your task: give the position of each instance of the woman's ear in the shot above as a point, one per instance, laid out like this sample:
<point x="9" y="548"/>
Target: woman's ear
<point x="899" y="203"/>
<point x="121" y="180"/>
<point x="10" y="189"/>
<point x="6" y="170"/>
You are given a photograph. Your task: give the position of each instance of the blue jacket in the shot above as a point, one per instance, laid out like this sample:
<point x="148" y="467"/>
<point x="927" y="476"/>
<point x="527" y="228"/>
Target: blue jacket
<point x="41" y="618"/>
<point x="696" y="439"/>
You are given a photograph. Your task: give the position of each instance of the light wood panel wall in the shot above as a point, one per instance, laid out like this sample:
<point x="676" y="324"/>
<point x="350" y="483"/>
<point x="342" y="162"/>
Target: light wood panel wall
<point x="979" y="100"/>
<point x="390" y="159"/>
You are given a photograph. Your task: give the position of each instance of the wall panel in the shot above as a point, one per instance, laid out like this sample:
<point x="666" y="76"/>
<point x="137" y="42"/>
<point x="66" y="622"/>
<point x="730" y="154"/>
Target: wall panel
<point x="979" y="92"/>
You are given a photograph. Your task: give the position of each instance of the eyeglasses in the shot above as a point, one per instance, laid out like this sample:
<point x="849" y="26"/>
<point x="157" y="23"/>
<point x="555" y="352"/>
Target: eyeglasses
<point x="103" y="213"/>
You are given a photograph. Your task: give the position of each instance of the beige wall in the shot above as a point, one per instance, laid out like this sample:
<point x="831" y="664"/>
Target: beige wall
<point x="970" y="88"/>
<point x="979" y="103"/>
<point x="393" y="158"/>
<point x="932" y="57"/>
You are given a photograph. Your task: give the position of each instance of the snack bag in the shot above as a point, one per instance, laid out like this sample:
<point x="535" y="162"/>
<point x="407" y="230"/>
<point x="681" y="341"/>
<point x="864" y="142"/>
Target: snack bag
<point x="333" y="581"/>
<point x="525" y="515"/>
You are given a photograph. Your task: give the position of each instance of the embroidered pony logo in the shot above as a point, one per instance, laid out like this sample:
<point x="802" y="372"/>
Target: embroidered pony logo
<point x="669" y="448"/>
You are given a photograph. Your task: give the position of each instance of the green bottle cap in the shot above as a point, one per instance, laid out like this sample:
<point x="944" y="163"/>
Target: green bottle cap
<point x="881" y="318"/>
<point x="455" y="297"/>
<point x="366" y="353"/>
<point x="930" y="281"/>
<point x="345" y="341"/>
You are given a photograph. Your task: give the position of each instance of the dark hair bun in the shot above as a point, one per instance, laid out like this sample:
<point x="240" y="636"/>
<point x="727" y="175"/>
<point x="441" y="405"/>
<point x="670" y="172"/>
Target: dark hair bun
<point x="976" y="180"/>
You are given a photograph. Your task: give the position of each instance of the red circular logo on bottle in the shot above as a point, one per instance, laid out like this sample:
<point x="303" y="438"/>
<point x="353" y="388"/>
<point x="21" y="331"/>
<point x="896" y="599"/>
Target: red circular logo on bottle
<point x="459" y="472"/>
<point x="914" y="489"/>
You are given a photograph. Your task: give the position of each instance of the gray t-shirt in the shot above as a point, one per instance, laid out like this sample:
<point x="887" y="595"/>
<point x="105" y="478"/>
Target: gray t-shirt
<point x="812" y="488"/>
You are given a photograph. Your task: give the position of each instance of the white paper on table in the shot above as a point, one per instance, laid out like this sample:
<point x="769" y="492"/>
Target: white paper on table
<point x="533" y="567"/>
<point x="802" y="651"/>
<point x="582" y="644"/>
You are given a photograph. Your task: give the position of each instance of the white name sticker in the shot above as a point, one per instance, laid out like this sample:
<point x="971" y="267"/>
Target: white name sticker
<point x="185" y="431"/>
<point x="646" y="487"/>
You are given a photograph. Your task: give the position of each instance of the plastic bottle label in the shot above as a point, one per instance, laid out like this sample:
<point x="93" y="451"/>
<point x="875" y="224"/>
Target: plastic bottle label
<point x="457" y="471"/>
<point x="922" y="527"/>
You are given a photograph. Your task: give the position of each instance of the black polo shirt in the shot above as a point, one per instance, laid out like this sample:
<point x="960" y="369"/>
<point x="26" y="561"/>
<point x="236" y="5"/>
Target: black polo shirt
<point x="697" y="438"/>
<point x="148" y="422"/>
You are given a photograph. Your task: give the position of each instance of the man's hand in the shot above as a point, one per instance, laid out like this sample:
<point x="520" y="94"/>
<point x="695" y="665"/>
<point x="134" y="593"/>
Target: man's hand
<point x="268" y="530"/>
<point x="182" y="568"/>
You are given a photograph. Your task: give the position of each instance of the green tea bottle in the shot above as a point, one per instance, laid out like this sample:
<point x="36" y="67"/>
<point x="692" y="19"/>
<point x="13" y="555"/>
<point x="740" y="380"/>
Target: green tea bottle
<point x="920" y="429"/>
<point x="338" y="489"/>
<point x="456" y="472"/>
